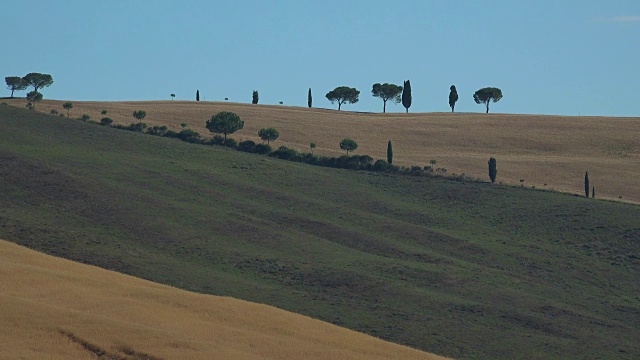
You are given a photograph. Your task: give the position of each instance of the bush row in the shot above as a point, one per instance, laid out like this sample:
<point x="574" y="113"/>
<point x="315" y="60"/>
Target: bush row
<point x="353" y="162"/>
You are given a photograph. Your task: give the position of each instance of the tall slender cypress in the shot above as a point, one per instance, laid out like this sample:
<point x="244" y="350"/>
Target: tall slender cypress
<point x="453" y="97"/>
<point x="197" y="95"/>
<point x="586" y="184"/>
<point x="389" y="153"/>
<point x="493" y="170"/>
<point x="406" y="95"/>
<point x="309" y="99"/>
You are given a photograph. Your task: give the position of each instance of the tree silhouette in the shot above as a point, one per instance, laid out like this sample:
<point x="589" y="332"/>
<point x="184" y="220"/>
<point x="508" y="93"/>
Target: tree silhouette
<point x="348" y="145"/>
<point x="493" y="171"/>
<point x="406" y="95"/>
<point x="15" y="83"/>
<point x="268" y="135"/>
<point x="387" y="92"/>
<point x="453" y="97"/>
<point x="343" y="94"/>
<point x="139" y="114"/>
<point x="486" y="95"/>
<point x="67" y="106"/>
<point x="38" y="80"/>
<point x="224" y="122"/>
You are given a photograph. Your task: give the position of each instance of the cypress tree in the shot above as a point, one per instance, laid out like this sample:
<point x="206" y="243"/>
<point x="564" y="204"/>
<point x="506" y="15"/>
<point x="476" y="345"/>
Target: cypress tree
<point x="389" y="153"/>
<point x="309" y="99"/>
<point x="453" y="97"/>
<point x="493" y="171"/>
<point x="593" y="192"/>
<point x="254" y="97"/>
<point x="586" y="184"/>
<point x="197" y="95"/>
<point x="406" y="95"/>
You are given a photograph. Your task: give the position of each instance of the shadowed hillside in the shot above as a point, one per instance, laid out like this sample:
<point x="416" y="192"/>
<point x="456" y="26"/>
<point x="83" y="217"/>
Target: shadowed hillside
<point x="466" y="270"/>
<point x="551" y="152"/>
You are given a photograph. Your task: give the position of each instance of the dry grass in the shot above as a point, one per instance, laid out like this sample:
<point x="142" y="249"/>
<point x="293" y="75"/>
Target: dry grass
<point x="538" y="149"/>
<point x="57" y="309"/>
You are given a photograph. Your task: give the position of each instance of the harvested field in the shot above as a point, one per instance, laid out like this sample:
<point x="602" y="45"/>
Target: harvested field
<point x="548" y="152"/>
<point x="57" y="309"/>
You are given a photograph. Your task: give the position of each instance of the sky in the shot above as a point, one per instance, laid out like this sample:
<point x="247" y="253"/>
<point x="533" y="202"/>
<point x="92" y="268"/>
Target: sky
<point x="570" y="57"/>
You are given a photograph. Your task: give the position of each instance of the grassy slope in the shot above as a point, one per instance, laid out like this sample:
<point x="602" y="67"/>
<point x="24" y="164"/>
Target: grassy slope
<point x="115" y="312"/>
<point x="462" y="270"/>
<point x="539" y="149"/>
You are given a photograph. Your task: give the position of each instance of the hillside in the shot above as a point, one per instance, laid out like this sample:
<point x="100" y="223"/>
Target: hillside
<point x="465" y="270"/>
<point x="49" y="307"/>
<point x="551" y="152"/>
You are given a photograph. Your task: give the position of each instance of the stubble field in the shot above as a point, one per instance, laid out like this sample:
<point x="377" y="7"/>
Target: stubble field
<point x="548" y="152"/>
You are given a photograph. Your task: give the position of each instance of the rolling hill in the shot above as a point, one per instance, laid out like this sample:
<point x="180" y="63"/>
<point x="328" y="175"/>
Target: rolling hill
<point x="57" y="309"/>
<point x="551" y="152"/>
<point x="465" y="270"/>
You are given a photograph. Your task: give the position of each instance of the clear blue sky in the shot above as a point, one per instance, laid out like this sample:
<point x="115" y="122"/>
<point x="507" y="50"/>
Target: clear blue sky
<point x="565" y="57"/>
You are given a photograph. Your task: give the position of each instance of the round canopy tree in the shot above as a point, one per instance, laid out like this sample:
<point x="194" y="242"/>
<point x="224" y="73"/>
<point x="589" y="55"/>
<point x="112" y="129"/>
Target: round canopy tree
<point x="34" y="97"/>
<point x="348" y="145"/>
<point x="268" y="135"/>
<point x="38" y="80"/>
<point x="486" y="95"/>
<point x="387" y="92"/>
<point x="139" y="114"/>
<point x="343" y="94"/>
<point x="225" y="122"/>
<point x="15" y="83"/>
<point x="67" y="106"/>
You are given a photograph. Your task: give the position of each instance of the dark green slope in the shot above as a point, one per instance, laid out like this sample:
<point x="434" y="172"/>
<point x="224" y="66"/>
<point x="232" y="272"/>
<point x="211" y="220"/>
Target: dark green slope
<point x="464" y="270"/>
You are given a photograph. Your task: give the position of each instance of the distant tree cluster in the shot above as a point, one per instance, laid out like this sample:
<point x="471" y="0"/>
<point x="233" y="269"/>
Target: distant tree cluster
<point x="37" y="80"/>
<point x="397" y="94"/>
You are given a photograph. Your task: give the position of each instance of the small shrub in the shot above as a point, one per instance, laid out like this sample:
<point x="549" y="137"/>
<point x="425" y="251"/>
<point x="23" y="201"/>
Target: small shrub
<point x="53" y="112"/>
<point x="139" y="127"/>
<point x="189" y="135"/>
<point x="29" y="106"/>
<point x="383" y="166"/>
<point x="106" y="121"/>
<point x="262" y="149"/>
<point x="183" y="125"/>
<point x="85" y="117"/>
<point x="229" y="142"/>
<point x="103" y="112"/>
<point x="247" y="146"/>
<point x="217" y="140"/>
<point x="415" y="170"/>
<point x="286" y="153"/>
<point x="4" y="104"/>
<point x="170" y="134"/>
<point x="157" y="130"/>
<point x="309" y="158"/>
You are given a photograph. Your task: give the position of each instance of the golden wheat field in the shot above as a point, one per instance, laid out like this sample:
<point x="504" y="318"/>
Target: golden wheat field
<point x="548" y="152"/>
<point x="51" y="308"/>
